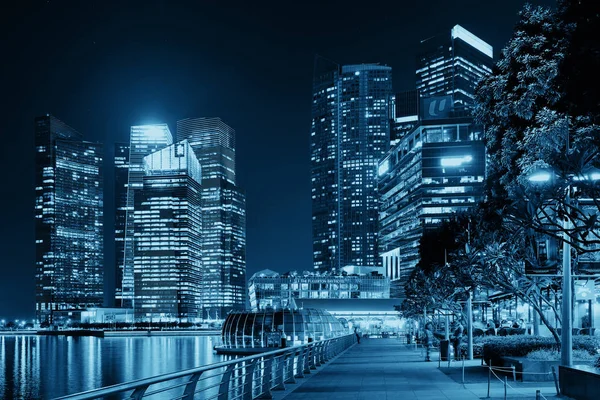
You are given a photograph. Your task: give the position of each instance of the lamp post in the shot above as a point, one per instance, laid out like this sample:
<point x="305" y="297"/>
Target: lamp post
<point x="566" y="345"/>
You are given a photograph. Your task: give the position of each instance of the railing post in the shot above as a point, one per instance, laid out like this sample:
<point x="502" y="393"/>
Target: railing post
<point x="190" y="388"/>
<point x="279" y="378"/>
<point x="225" y="379"/>
<point x="139" y="392"/>
<point x="289" y="357"/>
<point x="300" y="364"/>
<point x="311" y="358"/>
<point x="248" y="386"/>
<point x="265" y="389"/>
<point x="318" y="350"/>
<point x="306" y="365"/>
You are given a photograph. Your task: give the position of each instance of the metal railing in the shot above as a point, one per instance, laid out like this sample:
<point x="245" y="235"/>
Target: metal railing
<point x="241" y="378"/>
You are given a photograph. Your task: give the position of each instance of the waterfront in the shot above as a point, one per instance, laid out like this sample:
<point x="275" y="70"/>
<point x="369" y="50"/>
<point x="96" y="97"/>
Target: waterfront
<point x="44" y="367"/>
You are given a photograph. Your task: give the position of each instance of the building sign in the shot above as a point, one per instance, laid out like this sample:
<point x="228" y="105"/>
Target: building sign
<point x="437" y="107"/>
<point x="545" y="257"/>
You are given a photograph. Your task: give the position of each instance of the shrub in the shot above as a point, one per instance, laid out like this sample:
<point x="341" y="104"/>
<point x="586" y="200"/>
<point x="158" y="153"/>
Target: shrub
<point x="553" y="355"/>
<point x="597" y="364"/>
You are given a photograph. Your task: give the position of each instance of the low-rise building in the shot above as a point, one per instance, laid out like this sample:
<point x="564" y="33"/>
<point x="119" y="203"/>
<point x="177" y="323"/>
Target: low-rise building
<point x="268" y="288"/>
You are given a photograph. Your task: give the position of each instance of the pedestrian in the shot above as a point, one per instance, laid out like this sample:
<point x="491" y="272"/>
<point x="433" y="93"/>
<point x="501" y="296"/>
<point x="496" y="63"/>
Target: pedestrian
<point x="428" y="340"/>
<point x="357" y="334"/>
<point x="456" y="339"/>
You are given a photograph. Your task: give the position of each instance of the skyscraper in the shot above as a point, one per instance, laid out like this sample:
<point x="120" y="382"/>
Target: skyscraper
<point x="453" y="65"/>
<point x="144" y="140"/>
<point x="121" y="163"/>
<point x="224" y="213"/>
<point x="350" y="132"/>
<point x="168" y="228"/>
<point x="433" y="173"/>
<point x="68" y="219"/>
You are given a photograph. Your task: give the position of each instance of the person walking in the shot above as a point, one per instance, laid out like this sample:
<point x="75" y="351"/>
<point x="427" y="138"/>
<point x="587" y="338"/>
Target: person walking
<point x="428" y="340"/>
<point x="357" y="334"/>
<point x="456" y="339"/>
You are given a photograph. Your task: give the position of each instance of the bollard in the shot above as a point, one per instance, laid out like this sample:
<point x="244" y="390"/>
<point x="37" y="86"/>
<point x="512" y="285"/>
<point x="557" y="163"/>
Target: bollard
<point x="489" y="377"/>
<point x="555" y="381"/>
<point x="514" y="373"/>
<point x="505" y="383"/>
<point x="463" y="371"/>
<point x="538" y="395"/>
<point x="440" y="359"/>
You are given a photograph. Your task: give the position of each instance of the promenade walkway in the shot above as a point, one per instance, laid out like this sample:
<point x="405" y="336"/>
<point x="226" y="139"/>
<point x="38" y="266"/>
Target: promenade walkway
<point x="385" y="369"/>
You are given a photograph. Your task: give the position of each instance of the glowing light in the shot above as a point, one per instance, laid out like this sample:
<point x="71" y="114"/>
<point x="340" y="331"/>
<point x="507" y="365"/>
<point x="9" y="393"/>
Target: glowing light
<point x="455" y="161"/>
<point x="155" y="131"/>
<point x="384" y="167"/>
<point x="463" y="34"/>
<point x="540" y="176"/>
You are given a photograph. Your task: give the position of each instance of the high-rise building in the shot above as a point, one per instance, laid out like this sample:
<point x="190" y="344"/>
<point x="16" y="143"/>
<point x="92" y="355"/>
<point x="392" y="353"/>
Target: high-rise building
<point x="168" y="228"/>
<point x="224" y="213"/>
<point x="452" y="64"/>
<point x="405" y="114"/>
<point x="144" y="140"/>
<point x="350" y="132"/>
<point x="436" y="171"/>
<point x="68" y="219"/>
<point x="121" y="163"/>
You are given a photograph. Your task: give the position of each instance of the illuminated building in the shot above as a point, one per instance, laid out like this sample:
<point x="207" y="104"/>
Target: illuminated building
<point x="144" y="139"/>
<point x="404" y="110"/>
<point x="350" y="132"/>
<point x="121" y="163"/>
<point x="68" y="219"/>
<point x="224" y="216"/>
<point x="452" y="64"/>
<point x="267" y="288"/>
<point x="168" y="227"/>
<point x="434" y="172"/>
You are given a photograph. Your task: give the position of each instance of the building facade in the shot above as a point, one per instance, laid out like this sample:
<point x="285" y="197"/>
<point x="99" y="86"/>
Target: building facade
<point x="452" y="64"/>
<point x="269" y="289"/>
<point x="350" y="132"/>
<point x="68" y="219"/>
<point x="224" y="213"/>
<point x="121" y="164"/>
<point x="144" y="140"/>
<point x="436" y="171"/>
<point x="168" y="229"/>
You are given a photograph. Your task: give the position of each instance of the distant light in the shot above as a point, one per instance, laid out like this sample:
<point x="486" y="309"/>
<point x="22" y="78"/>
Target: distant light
<point x="357" y="73"/>
<point x="155" y="131"/>
<point x="594" y="176"/>
<point x="455" y="161"/>
<point x="384" y="167"/>
<point x="540" y="176"/>
<point x="463" y="34"/>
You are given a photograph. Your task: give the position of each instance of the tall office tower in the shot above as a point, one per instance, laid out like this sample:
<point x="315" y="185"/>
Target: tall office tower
<point x="168" y="229"/>
<point x="224" y="213"/>
<point x="405" y="114"/>
<point x="350" y="132"/>
<point x="453" y="65"/>
<point x="144" y="140"/>
<point x="121" y="163"/>
<point x="68" y="219"/>
<point x="433" y="173"/>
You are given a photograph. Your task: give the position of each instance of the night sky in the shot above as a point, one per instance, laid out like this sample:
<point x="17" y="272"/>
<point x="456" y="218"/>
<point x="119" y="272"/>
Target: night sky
<point x="104" y="66"/>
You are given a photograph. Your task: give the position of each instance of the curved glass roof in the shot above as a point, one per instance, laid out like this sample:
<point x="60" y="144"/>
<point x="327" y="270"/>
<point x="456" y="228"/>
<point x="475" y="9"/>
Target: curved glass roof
<point x="267" y="328"/>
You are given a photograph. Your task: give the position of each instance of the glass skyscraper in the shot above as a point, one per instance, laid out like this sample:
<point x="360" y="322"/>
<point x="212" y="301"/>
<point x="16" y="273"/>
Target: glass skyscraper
<point x="121" y="163"/>
<point x="144" y="140"/>
<point x="452" y="64"/>
<point x="224" y="213"/>
<point x="68" y="219"/>
<point x="436" y="171"/>
<point x="168" y="228"/>
<point x="350" y="132"/>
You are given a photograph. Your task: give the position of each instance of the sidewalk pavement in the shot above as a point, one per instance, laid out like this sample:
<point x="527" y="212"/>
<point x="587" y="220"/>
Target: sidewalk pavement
<point x="385" y="369"/>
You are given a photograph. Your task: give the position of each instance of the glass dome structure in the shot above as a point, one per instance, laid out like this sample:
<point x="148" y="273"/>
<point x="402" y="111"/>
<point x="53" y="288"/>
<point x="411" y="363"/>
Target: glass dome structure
<point x="263" y="330"/>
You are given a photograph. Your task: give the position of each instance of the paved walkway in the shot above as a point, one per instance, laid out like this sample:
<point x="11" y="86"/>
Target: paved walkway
<point x="385" y="369"/>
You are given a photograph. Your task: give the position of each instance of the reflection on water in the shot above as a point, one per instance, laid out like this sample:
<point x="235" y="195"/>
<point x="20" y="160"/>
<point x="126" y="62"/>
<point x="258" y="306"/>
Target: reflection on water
<point x="42" y="367"/>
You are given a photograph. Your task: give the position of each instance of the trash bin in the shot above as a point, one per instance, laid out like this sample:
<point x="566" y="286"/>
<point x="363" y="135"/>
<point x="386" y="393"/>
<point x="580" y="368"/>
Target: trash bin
<point x="283" y="342"/>
<point x="444" y="349"/>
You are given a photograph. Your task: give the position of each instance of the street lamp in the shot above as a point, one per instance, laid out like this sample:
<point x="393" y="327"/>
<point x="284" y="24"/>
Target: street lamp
<point x="566" y="343"/>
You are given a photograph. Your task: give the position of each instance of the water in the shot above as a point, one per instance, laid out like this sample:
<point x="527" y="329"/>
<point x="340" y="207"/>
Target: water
<point x="44" y="367"/>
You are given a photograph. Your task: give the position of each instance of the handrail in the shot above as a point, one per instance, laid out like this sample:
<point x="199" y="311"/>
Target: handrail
<point x="297" y="359"/>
